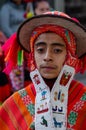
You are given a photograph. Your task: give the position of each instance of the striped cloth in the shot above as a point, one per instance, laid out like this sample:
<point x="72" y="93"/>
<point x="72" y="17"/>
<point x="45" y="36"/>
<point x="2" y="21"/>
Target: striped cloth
<point x="17" y="112"/>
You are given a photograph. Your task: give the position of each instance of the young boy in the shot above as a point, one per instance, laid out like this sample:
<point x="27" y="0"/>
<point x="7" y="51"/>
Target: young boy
<point x="57" y="48"/>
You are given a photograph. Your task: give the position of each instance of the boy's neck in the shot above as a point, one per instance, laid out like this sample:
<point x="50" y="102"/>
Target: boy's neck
<point x="50" y="82"/>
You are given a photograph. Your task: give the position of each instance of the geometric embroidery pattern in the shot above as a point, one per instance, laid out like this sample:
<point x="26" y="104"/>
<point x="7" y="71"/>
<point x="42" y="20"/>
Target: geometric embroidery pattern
<point x="31" y="108"/>
<point x="27" y="101"/>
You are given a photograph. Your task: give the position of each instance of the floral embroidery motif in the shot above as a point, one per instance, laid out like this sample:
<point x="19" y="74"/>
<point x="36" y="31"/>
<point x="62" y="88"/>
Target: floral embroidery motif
<point x="72" y="117"/>
<point x="26" y="99"/>
<point x="78" y="106"/>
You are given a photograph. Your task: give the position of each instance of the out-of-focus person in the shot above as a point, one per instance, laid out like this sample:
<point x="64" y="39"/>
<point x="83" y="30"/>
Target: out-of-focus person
<point x="41" y="6"/>
<point x="12" y="16"/>
<point x="36" y="7"/>
<point x="5" y="87"/>
<point x="3" y="39"/>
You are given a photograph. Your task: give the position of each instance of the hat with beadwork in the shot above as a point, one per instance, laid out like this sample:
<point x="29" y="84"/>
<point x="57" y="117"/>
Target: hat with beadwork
<point x="53" y="18"/>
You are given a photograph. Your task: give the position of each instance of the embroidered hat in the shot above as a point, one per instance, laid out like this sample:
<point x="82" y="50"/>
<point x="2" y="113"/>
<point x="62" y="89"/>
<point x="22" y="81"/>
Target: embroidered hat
<point x="53" y="18"/>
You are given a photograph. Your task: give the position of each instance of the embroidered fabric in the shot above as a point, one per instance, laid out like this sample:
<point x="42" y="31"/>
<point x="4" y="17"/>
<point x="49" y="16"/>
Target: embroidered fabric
<point x="51" y="107"/>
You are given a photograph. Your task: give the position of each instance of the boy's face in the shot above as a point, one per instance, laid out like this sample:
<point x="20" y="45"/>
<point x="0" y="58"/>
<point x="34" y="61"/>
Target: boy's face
<point x="50" y="53"/>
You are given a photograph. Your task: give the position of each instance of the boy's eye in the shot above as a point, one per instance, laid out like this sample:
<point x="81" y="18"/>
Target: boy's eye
<point x="40" y="50"/>
<point x="57" y="50"/>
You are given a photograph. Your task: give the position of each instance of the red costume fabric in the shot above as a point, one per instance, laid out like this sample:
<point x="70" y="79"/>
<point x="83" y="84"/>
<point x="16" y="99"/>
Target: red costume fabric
<point x="18" y="111"/>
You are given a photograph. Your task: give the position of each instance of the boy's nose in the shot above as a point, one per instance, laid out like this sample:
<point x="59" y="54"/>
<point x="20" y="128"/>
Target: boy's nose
<point x="48" y="56"/>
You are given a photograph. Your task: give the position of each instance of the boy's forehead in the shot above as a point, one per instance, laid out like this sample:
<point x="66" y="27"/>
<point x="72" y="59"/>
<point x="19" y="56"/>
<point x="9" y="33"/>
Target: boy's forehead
<point x="44" y="34"/>
<point x="52" y="44"/>
<point x="49" y="38"/>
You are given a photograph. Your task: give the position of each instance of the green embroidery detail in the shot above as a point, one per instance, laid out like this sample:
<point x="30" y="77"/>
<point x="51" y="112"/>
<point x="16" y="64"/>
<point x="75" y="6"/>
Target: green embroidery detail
<point x="22" y="93"/>
<point x="72" y="117"/>
<point x="44" y="121"/>
<point x="67" y="35"/>
<point x="83" y="97"/>
<point x="32" y="126"/>
<point x="31" y="109"/>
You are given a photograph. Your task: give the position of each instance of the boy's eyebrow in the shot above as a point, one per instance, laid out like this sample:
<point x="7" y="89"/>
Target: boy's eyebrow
<point x="52" y="44"/>
<point x="58" y="44"/>
<point x="40" y="43"/>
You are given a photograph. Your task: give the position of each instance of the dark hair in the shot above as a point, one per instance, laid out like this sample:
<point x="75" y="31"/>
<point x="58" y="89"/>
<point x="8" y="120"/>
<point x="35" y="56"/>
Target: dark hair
<point x="35" y="3"/>
<point x="22" y="2"/>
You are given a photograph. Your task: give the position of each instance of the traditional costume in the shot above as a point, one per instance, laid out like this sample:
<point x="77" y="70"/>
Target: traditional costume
<point x="36" y="107"/>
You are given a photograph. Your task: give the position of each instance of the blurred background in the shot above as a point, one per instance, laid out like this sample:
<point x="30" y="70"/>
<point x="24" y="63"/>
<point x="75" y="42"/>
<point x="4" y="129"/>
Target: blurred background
<point x="75" y="8"/>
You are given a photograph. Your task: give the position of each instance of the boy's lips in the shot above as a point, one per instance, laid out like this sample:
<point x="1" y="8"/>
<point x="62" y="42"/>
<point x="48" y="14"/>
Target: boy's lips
<point x="48" y="67"/>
